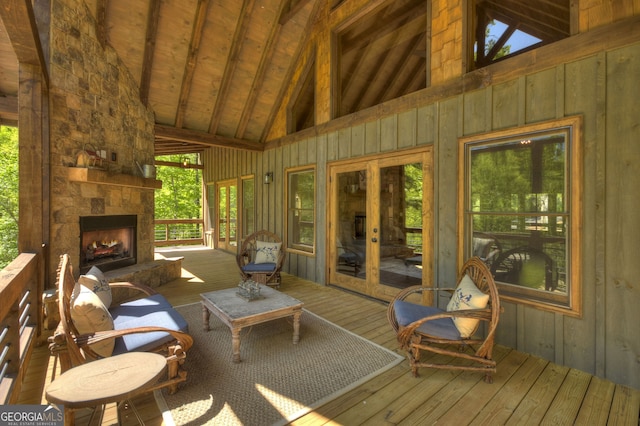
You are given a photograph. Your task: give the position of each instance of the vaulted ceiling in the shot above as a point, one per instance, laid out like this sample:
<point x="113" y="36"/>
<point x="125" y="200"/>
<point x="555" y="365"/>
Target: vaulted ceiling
<point x="215" y="72"/>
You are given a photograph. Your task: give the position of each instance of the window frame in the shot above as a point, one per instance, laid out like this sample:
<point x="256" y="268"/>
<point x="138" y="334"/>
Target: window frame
<point x="571" y="304"/>
<point x="291" y="246"/>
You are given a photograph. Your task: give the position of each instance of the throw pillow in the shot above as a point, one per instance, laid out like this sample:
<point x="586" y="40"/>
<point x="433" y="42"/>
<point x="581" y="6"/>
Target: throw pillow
<point x="95" y="281"/>
<point x="89" y="315"/>
<point x="467" y="296"/>
<point x="267" y="252"/>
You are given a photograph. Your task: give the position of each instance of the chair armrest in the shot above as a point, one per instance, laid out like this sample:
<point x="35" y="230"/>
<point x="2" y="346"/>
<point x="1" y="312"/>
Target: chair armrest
<point x="84" y="340"/>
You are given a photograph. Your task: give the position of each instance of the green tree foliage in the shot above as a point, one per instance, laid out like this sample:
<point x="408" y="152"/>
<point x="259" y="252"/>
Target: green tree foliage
<point x="181" y="193"/>
<point x="8" y="195"/>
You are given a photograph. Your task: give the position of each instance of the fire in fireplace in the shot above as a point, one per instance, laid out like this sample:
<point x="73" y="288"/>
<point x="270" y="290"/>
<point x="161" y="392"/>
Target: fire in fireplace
<point x="108" y="242"/>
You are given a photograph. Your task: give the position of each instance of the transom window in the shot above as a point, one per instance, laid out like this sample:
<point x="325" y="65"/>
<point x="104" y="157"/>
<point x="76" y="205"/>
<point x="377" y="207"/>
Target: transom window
<point x="521" y="211"/>
<point x="504" y="28"/>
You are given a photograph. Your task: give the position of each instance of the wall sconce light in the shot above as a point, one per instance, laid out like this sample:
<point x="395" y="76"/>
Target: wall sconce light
<point x="185" y="162"/>
<point x="268" y="177"/>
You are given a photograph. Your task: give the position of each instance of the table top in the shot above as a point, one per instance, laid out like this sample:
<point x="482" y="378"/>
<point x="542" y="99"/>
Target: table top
<point x="106" y="380"/>
<point x="236" y="307"/>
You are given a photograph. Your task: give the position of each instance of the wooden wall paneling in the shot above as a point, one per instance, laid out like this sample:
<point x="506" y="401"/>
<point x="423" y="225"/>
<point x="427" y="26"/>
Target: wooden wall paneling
<point x="539" y="329"/>
<point x="584" y="94"/>
<point x="357" y="140"/>
<point x="407" y="128"/>
<point x="294" y="155"/>
<point x="332" y="146"/>
<point x="540" y="96"/>
<point x="622" y="226"/>
<point x="312" y="147"/>
<point x="280" y="206"/>
<point x="389" y="133"/>
<point x="475" y="113"/>
<point x="505" y="107"/>
<point x="344" y="143"/>
<point x="322" y="184"/>
<point x="426" y="125"/>
<point x="505" y="333"/>
<point x="372" y="137"/>
<point x="445" y="254"/>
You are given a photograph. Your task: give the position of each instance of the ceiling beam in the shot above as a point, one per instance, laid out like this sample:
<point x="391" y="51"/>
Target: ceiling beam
<point x="19" y="21"/>
<point x="207" y="140"/>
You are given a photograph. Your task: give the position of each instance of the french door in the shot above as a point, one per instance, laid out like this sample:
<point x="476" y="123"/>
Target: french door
<point x="380" y="223"/>
<point x="227" y="215"/>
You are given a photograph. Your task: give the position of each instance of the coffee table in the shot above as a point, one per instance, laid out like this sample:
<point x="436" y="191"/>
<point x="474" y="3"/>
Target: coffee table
<point x="238" y="313"/>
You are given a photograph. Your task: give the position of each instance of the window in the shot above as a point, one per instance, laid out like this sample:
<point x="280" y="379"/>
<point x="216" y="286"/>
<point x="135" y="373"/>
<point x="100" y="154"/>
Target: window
<point x="504" y="29"/>
<point x="301" y="210"/>
<point x="521" y="212"/>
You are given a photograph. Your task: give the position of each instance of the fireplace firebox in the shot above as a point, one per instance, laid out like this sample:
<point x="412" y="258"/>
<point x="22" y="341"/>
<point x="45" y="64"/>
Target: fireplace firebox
<point x="108" y="242"/>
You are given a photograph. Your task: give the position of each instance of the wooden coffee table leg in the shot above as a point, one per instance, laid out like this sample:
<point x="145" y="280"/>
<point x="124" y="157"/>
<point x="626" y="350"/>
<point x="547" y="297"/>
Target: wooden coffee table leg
<point x="205" y="317"/>
<point x="235" y="343"/>
<point x="296" y="326"/>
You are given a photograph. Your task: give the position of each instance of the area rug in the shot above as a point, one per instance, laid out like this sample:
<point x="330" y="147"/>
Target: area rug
<point x="277" y="381"/>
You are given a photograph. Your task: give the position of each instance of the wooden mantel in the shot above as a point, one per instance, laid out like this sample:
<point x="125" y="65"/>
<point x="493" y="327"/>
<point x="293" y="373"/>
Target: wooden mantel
<point x="80" y="174"/>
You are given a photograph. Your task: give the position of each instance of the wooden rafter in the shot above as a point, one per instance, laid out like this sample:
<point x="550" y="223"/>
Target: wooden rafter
<point x="260" y="75"/>
<point x="232" y="63"/>
<point x="149" y="48"/>
<point x="192" y="58"/>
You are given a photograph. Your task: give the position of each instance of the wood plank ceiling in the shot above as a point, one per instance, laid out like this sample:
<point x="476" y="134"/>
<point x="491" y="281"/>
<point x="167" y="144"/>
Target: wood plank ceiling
<point x="214" y="72"/>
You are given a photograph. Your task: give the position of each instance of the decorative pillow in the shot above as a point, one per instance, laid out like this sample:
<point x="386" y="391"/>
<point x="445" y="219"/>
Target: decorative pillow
<point x="89" y="315"/>
<point x="267" y="252"/>
<point x="95" y="281"/>
<point x="467" y="296"/>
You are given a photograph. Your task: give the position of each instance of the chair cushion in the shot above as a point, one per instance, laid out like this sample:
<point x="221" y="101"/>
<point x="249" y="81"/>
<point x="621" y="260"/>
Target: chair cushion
<point x="139" y="308"/>
<point x="95" y="280"/>
<point x="261" y="267"/>
<point x="89" y="315"/>
<point x="150" y="311"/>
<point x="407" y="312"/>
<point x="267" y="252"/>
<point x="467" y="296"/>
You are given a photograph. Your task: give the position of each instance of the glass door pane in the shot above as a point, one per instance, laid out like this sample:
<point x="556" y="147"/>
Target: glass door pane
<point x="351" y="223"/>
<point x="222" y="215"/>
<point x="233" y="215"/>
<point x="400" y="254"/>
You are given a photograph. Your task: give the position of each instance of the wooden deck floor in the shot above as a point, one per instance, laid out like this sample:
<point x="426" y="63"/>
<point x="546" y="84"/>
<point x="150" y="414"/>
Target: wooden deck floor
<point x="526" y="391"/>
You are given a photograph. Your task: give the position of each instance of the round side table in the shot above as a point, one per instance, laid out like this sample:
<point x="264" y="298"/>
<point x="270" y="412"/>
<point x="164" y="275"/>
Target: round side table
<point x="104" y="381"/>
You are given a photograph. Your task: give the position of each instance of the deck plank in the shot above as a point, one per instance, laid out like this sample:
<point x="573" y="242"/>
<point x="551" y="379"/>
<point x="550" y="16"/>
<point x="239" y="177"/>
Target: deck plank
<point x="597" y="403"/>
<point x="565" y="406"/>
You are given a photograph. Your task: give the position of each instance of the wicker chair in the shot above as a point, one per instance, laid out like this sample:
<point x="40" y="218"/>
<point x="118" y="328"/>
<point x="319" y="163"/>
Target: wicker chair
<point x="426" y="328"/>
<point x="261" y="258"/>
<point x="141" y="330"/>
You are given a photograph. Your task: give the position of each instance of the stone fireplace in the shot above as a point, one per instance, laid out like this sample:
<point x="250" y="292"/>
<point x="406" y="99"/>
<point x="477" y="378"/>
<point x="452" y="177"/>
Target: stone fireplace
<point x="96" y="106"/>
<point x="108" y="242"/>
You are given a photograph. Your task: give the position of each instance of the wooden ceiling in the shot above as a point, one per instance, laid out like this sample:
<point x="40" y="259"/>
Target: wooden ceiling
<point x="215" y="72"/>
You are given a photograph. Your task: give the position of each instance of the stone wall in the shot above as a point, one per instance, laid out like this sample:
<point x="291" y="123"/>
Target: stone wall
<point x="94" y="105"/>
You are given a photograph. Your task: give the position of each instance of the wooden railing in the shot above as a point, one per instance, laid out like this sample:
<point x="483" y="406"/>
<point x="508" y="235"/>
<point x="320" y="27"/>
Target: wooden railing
<point x="21" y="287"/>
<point x="178" y="231"/>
